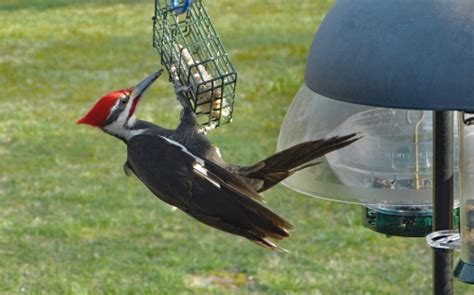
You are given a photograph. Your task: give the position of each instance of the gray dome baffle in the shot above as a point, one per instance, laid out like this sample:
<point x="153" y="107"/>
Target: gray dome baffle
<point x="396" y="53"/>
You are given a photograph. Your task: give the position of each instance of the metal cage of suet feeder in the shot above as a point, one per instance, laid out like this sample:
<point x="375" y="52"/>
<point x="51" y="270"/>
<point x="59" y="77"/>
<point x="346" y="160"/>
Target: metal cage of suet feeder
<point x="189" y="45"/>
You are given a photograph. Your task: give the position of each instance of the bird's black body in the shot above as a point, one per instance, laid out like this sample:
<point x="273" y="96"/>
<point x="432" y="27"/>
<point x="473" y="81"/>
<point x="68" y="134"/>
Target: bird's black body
<point x="186" y="134"/>
<point x="227" y="196"/>
<point x="182" y="168"/>
<point x="166" y="160"/>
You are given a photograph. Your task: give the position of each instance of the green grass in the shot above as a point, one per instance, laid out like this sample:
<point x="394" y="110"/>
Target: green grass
<point x="72" y="223"/>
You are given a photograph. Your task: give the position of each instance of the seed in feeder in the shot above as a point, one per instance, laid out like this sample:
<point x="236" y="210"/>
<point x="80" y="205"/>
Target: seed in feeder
<point x="208" y="98"/>
<point x="467" y="231"/>
<point x="469" y="213"/>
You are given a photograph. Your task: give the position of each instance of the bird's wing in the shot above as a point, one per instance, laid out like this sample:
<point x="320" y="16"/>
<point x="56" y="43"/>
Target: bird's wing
<point x="164" y="168"/>
<point x="203" y="189"/>
<point x="174" y="163"/>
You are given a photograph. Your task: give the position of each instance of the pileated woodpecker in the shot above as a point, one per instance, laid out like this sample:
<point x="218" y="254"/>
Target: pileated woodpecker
<point x="182" y="168"/>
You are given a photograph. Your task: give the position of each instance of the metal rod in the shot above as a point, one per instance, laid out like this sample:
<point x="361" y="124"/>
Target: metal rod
<point x="443" y="199"/>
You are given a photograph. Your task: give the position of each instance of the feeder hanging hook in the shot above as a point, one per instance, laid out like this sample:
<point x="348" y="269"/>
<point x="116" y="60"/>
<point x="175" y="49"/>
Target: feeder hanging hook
<point x="179" y="9"/>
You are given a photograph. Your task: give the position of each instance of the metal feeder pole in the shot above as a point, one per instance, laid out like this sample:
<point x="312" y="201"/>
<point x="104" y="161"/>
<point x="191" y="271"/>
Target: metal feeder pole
<point x="443" y="198"/>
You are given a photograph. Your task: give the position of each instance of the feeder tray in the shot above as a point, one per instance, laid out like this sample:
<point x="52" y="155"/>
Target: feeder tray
<point x="190" y="47"/>
<point x="464" y="272"/>
<point x="401" y="221"/>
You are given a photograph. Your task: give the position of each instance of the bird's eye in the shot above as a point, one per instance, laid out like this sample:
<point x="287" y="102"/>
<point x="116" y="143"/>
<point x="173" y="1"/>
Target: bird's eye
<point x="124" y="100"/>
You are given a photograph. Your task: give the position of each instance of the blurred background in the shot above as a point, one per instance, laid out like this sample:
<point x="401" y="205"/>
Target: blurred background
<point x="72" y="222"/>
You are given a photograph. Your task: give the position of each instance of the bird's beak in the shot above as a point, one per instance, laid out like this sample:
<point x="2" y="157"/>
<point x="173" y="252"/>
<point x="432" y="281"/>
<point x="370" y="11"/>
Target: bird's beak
<point x="138" y="91"/>
<point x="143" y="85"/>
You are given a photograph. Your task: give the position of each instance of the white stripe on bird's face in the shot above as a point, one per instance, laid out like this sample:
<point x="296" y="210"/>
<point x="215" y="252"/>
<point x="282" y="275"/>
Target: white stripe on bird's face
<point x="198" y="167"/>
<point x="122" y="126"/>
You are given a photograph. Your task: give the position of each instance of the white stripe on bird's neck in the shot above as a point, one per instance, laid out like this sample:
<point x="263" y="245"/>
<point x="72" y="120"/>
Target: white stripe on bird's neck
<point x="123" y="128"/>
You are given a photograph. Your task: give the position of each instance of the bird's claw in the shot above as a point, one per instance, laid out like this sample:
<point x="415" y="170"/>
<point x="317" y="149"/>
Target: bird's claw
<point x="182" y="97"/>
<point x="181" y="90"/>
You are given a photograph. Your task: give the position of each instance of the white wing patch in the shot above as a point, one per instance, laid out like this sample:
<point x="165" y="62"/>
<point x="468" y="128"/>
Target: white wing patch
<point x="218" y="152"/>
<point x="201" y="171"/>
<point x="198" y="167"/>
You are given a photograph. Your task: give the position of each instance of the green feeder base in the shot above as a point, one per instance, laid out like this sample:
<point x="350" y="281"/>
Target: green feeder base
<point x="401" y="221"/>
<point x="464" y="272"/>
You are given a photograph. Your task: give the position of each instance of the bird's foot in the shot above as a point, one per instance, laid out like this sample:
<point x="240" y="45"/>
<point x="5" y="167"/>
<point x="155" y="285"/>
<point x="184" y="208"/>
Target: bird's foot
<point x="181" y="92"/>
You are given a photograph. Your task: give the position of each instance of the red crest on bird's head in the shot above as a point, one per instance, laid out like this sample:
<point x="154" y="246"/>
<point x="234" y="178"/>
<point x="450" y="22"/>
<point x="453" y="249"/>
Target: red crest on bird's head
<point x="129" y="98"/>
<point x="98" y="114"/>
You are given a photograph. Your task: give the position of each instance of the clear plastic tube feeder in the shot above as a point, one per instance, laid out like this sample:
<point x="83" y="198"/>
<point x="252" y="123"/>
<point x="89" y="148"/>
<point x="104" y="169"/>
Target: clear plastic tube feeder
<point x="465" y="269"/>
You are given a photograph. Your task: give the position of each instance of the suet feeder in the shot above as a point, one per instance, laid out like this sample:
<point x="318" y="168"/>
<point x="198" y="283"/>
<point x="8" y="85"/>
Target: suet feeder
<point x="393" y="70"/>
<point x="189" y="45"/>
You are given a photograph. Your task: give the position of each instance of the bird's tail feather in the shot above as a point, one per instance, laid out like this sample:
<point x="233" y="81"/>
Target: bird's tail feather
<point x="279" y="166"/>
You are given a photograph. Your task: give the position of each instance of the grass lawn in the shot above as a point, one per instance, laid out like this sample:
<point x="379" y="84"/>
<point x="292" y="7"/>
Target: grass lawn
<point x="71" y="222"/>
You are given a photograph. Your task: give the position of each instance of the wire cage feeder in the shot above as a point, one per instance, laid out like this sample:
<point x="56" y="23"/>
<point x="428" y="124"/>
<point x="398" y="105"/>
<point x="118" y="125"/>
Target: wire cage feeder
<point x="190" y="47"/>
